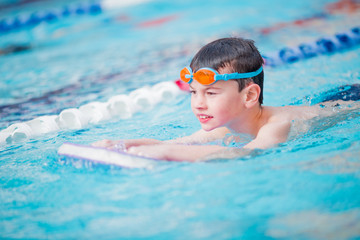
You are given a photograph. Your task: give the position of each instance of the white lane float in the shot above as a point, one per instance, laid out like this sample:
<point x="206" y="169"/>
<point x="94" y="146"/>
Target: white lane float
<point x="119" y="106"/>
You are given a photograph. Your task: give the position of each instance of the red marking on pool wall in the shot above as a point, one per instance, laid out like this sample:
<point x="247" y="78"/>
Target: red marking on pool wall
<point x="341" y="6"/>
<point x="156" y="22"/>
<point x="123" y="18"/>
<point x="299" y="22"/>
<point x="183" y="86"/>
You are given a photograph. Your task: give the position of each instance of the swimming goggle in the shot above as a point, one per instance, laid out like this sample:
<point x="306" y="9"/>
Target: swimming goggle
<point x="207" y="76"/>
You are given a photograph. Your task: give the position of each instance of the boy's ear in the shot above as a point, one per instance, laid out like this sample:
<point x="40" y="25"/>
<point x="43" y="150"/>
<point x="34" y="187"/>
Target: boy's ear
<point x="252" y="94"/>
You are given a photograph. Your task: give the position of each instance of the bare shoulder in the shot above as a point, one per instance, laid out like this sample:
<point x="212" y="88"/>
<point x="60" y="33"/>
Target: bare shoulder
<point x="271" y="134"/>
<point x="276" y="130"/>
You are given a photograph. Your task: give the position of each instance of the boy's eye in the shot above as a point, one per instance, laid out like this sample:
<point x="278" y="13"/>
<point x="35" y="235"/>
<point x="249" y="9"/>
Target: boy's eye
<point x="192" y="91"/>
<point x="211" y="93"/>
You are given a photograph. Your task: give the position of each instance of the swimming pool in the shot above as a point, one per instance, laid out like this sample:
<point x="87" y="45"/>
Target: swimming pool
<point x="306" y="188"/>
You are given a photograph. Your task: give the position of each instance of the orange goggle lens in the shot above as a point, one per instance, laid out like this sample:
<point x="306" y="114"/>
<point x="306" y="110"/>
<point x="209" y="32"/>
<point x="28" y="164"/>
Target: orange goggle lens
<point x="205" y="76"/>
<point x="185" y="75"/>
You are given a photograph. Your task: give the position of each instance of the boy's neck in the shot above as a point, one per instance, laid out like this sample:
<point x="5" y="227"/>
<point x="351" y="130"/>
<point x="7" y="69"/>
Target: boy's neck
<point x="250" y="122"/>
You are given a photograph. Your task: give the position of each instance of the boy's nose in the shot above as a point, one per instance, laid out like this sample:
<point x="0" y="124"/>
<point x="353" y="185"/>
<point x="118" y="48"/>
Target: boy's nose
<point x="199" y="102"/>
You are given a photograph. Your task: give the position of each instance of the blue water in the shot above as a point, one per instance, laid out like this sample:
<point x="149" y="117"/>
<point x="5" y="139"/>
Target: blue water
<point x="307" y="188"/>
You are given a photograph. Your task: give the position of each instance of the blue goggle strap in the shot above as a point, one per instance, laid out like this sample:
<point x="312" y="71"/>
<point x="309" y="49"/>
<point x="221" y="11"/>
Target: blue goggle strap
<point x="189" y="75"/>
<point x="230" y="76"/>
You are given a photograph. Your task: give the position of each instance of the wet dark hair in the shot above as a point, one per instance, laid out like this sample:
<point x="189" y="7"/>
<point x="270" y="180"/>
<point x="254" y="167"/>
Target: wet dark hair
<point x="239" y="54"/>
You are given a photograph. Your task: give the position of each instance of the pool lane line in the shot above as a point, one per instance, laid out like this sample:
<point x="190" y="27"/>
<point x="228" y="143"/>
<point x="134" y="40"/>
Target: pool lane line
<point x="157" y="21"/>
<point x="347" y="7"/>
<point x="78" y="9"/>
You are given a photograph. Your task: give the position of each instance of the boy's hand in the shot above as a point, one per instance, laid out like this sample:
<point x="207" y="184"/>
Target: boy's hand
<point x="110" y="144"/>
<point x="124" y="145"/>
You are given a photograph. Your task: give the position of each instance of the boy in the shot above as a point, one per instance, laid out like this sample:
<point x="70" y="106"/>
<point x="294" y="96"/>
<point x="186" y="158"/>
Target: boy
<point x="226" y="85"/>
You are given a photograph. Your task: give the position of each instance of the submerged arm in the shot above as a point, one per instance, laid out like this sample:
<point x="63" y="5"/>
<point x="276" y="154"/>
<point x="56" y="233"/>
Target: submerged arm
<point x="268" y="136"/>
<point x="200" y="136"/>
<point x="124" y="144"/>
<point x="176" y="152"/>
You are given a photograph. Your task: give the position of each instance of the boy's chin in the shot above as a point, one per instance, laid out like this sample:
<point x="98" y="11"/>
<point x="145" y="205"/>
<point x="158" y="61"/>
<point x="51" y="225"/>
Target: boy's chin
<point x="208" y="128"/>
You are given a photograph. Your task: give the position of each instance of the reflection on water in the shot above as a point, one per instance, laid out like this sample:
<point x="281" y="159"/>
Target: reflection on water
<point x="323" y="225"/>
<point x="343" y="163"/>
<point x="332" y="113"/>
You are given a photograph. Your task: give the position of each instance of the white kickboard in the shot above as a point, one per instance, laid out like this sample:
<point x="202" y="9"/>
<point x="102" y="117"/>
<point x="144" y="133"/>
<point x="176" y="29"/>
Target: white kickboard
<point x="105" y="156"/>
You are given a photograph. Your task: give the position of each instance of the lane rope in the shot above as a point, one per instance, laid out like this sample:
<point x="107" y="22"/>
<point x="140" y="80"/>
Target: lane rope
<point x="325" y="45"/>
<point x="28" y="20"/>
<point x="120" y="106"/>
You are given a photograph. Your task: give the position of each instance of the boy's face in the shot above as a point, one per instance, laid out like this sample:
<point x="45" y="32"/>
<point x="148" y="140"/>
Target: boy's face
<point x="217" y="105"/>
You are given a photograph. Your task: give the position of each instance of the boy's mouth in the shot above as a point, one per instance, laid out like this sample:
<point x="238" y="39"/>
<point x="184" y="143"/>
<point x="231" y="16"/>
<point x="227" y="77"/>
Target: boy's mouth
<point x="204" y="118"/>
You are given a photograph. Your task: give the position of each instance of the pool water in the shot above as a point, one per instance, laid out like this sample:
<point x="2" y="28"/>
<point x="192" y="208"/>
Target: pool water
<point x="307" y="188"/>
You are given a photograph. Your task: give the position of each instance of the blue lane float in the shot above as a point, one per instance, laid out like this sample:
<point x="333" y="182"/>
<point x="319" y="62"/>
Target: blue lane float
<point x="326" y="45"/>
<point x="33" y="19"/>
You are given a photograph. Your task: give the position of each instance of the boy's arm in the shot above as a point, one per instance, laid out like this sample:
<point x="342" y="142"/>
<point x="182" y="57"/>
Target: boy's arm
<point x="124" y="144"/>
<point x="270" y="135"/>
<point x="176" y="152"/>
<point x="200" y="136"/>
